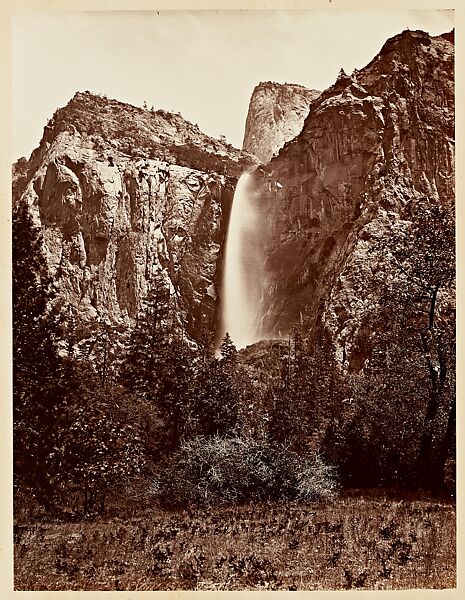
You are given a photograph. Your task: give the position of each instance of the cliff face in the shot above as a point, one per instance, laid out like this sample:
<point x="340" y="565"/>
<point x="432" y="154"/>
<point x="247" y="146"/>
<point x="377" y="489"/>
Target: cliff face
<point x="122" y="193"/>
<point x="371" y="142"/>
<point x="276" y="115"/>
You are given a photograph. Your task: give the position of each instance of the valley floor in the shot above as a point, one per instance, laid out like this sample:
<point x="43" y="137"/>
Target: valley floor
<point x="351" y="542"/>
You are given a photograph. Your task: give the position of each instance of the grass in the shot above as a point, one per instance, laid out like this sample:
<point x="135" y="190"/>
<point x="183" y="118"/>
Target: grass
<point x="350" y="543"/>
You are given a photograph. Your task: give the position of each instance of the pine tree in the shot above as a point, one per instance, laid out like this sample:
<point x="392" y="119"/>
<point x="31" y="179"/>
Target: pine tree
<point x="228" y="350"/>
<point x="158" y="366"/>
<point x="146" y="350"/>
<point x="102" y="349"/>
<point x="303" y="400"/>
<point x="212" y="406"/>
<point x="36" y="367"/>
<point x="205" y="345"/>
<point x="71" y="434"/>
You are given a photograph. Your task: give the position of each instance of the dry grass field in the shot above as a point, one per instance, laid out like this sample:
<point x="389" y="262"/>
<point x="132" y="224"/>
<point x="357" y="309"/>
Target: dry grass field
<point x="349" y="543"/>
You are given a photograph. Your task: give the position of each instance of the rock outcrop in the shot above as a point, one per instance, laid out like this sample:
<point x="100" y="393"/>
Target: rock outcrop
<point x="122" y="193"/>
<point x="276" y="115"/>
<point x="372" y="141"/>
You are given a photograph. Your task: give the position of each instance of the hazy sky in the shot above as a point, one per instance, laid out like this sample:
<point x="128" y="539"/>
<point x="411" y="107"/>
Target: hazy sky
<point x="201" y="64"/>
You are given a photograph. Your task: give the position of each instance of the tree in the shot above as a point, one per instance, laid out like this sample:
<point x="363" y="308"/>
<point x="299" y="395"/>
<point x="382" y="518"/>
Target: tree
<point x="410" y="370"/>
<point x="213" y="401"/>
<point x="72" y="434"/>
<point x="37" y="370"/>
<point x="228" y="350"/>
<point x="157" y="365"/>
<point x="304" y="401"/>
<point x="424" y="260"/>
<point x="205" y="345"/>
<point x="103" y="347"/>
<point x="98" y="445"/>
<point x="144" y="355"/>
<point x="212" y="405"/>
<point x="374" y="437"/>
<point x="30" y="302"/>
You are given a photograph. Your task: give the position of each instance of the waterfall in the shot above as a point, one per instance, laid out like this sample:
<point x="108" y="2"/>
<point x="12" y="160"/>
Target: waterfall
<point x="243" y="274"/>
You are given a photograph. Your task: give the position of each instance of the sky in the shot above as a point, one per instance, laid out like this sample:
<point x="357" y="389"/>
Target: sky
<point x="202" y="64"/>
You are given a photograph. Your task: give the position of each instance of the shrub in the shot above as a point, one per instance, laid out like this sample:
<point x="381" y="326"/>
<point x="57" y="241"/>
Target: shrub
<point x="220" y="469"/>
<point x="315" y="479"/>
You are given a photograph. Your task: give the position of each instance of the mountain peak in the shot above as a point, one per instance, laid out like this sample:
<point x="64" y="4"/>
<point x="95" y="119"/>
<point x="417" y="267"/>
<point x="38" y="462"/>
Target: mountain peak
<point x="276" y="114"/>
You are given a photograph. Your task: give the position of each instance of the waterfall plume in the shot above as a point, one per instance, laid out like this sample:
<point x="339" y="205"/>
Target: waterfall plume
<point x="244" y="268"/>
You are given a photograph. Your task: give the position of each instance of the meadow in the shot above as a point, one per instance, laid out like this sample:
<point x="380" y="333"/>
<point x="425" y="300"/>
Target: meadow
<point x="351" y="542"/>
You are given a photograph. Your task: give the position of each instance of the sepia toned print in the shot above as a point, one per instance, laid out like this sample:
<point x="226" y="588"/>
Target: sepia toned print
<point x="234" y="350"/>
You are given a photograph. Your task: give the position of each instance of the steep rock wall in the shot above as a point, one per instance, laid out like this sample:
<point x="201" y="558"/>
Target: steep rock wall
<point x="371" y="142"/>
<point x="114" y="214"/>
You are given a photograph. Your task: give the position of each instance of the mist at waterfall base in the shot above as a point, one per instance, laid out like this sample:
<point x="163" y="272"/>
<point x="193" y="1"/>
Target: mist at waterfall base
<point x="244" y="267"/>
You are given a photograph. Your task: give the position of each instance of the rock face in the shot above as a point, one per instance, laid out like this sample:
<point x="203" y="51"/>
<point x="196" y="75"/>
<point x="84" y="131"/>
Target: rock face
<point x="276" y="115"/>
<point x="122" y="193"/>
<point x="371" y="142"/>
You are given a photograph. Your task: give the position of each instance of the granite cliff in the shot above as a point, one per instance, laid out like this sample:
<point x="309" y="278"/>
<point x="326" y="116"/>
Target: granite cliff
<point x="122" y="193"/>
<point x="276" y="115"/>
<point x="372" y="142"/>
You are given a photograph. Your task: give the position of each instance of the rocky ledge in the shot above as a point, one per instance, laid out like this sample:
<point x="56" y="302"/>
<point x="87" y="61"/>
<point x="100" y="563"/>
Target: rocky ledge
<point x="373" y="142"/>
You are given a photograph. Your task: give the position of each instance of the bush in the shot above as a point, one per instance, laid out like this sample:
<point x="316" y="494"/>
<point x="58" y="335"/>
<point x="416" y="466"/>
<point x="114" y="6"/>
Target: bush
<point x="220" y="469"/>
<point x="315" y="479"/>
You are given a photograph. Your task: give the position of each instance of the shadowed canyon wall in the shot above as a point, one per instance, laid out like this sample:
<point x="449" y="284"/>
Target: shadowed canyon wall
<point x="372" y="141"/>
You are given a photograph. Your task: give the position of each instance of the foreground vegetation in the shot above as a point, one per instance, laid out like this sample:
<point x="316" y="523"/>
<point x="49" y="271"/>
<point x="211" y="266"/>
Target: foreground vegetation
<point x="346" y="544"/>
<point x="228" y="452"/>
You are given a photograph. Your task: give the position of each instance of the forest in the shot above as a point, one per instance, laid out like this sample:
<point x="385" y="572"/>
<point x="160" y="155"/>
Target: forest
<point x="111" y="422"/>
<point x="278" y="420"/>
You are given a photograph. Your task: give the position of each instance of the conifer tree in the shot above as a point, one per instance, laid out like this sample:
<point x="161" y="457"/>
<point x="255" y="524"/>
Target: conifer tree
<point x="213" y="401"/>
<point x="158" y="367"/>
<point x="147" y="347"/>
<point x="228" y="350"/>
<point x="36" y="367"/>
<point x="103" y="348"/>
